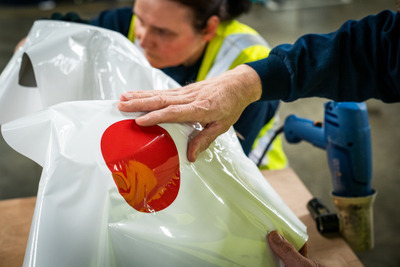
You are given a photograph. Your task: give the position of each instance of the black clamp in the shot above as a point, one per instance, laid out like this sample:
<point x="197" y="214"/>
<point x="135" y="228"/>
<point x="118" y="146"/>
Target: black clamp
<point x="327" y="222"/>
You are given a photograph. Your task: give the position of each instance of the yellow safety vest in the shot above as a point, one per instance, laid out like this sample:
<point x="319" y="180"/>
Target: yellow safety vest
<point x="236" y="43"/>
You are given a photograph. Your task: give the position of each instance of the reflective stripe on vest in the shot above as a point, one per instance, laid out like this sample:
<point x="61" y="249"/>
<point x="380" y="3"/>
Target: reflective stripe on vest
<point x="275" y="157"/>
<point x="230" y="49"/>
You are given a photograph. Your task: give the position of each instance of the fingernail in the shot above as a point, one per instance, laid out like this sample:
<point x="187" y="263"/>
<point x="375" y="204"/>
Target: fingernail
<point x="141" y="120"/>
<point x="193" y="156"/>
<point x="276" y="237"/>
<point x="126" y="97"/>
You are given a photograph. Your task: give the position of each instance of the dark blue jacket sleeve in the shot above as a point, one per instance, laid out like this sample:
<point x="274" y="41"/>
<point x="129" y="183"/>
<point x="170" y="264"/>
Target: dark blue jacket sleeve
<point x="359" y="61"/>
<point x="115" y="19"/>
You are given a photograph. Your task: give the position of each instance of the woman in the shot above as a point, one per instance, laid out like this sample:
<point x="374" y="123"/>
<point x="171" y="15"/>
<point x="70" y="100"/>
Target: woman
<point x="193" y="40"/>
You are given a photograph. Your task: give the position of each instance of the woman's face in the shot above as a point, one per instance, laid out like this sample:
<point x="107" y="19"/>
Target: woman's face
<point x="164" y="29"/>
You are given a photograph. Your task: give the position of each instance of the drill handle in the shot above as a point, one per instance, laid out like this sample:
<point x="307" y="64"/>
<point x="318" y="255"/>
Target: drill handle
<point x="297" y="129"/>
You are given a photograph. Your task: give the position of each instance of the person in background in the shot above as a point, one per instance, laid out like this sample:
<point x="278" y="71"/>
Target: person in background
<point x="195" y="40"/>
<point x="359" y="61"/>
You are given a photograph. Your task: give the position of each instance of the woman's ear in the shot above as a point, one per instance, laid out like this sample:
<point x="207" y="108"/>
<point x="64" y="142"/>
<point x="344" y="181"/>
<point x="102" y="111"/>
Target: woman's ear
<point x="211" y="28"/>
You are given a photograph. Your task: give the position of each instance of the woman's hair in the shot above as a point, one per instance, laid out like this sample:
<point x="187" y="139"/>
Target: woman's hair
<point x="224" y="9"/>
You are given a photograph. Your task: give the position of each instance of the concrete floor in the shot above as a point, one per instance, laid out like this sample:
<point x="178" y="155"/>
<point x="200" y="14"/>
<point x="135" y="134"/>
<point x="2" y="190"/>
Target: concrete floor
<point x="19" y="176"/>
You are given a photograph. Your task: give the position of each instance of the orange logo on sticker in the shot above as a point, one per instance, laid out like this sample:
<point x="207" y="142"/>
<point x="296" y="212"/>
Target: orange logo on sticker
<point x="144" y="164"/>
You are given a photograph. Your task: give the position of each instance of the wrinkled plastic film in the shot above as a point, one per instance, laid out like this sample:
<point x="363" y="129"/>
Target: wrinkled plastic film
<point x="220" y="215"/>
<point x="112" y="192"/>
<point x="72" y="62"/>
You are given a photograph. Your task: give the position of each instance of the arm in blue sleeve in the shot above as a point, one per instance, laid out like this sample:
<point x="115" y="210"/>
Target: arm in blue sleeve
<point x="359" y="61"/>
<point x="115" y="19"/>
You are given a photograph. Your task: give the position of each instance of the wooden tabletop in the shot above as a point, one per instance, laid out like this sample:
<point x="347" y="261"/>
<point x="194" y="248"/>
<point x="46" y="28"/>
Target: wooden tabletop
<point x="16" y="216"/>
<point x="15" y="221"/>
<point x="327" y="251"/>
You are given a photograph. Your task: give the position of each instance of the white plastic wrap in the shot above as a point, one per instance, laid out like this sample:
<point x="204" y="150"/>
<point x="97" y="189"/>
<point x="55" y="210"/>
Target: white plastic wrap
<point x="66" y="62"/>
<point x="115" y="194"/>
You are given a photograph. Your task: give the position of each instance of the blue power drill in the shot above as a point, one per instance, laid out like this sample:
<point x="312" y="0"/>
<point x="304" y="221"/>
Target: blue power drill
<point x="345" y="135"/>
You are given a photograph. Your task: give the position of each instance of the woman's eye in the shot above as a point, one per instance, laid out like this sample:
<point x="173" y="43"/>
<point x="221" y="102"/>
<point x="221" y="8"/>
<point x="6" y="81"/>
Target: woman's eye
<point x="164" y="32"/>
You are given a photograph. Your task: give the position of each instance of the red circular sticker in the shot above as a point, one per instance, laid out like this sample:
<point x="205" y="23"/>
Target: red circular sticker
<point x="144" y="164"/>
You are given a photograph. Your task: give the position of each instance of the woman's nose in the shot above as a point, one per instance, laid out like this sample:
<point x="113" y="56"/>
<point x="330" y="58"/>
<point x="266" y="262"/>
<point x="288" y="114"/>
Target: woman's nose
<point x="144" y="37"/>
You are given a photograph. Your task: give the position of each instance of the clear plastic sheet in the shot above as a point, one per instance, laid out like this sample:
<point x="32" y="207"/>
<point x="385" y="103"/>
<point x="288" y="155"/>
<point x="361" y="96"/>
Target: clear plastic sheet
<point x="116" y="194"/>
<point x="67" y="62"/>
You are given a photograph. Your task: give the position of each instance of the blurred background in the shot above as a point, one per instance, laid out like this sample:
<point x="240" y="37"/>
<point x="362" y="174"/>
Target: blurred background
<point x="279" y="21"/>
